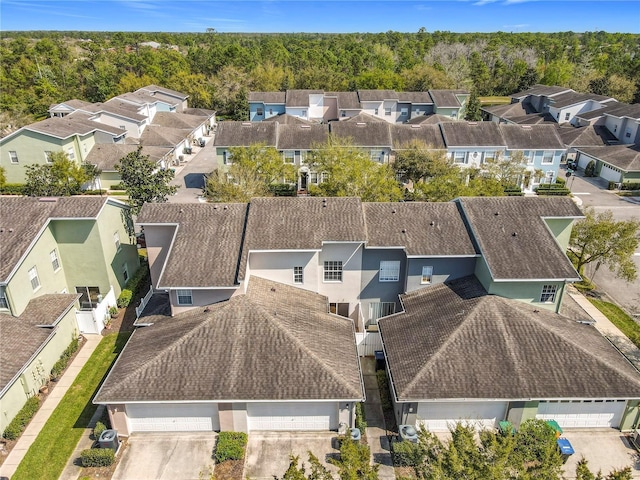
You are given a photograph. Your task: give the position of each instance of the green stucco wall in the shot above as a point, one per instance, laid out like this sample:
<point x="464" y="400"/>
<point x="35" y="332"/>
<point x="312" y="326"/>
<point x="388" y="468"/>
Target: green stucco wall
<point x="631" y="414"/>
<point x="561" y="229"/>
<point x="38" y="370"/>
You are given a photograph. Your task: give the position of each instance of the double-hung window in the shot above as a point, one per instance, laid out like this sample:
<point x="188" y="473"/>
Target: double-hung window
<point x="55" y="262"/>
<point x="427" y="275"/>
<point x="185" y="297"/>
<point x="289" y="156"/>
<point x="547" y="157"/>
<point x="116" y="240"/>
<point x="548" y="294"/>
<point x="332" y="271"/>
<point x="13" y="156"/>
<point x="33" y="278"/>
<point x="389" y="271"/>
<point x="459" y="157"/>
<point x="387" y="111"/>
<point x="298" y="275"/>
<point x="125" y="272"/>
<point x="259" y="111"/>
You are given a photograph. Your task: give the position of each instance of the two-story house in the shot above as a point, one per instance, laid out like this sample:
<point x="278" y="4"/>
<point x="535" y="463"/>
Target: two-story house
<point x="486" y="275"/>
<point x="65" y="261"/>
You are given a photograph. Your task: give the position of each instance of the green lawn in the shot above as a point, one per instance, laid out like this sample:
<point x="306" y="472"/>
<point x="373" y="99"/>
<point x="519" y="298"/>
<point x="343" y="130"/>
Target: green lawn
<point x="48" y="455"/>
<point x="494" y="100"/>
<point x="620" y="319"/>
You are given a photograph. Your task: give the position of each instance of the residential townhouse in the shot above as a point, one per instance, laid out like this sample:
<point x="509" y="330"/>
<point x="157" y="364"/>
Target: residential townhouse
<point x="34" y="143"/>
<point x="477" y="278"/>
<point x="387" y="105"/>
<point x="468" y="144"/>
<point x="65" y="261"/>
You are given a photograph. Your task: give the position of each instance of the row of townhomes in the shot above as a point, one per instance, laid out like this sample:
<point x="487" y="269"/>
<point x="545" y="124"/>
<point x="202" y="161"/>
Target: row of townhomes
<point x="387" y="105"/>
<point x="156" y="118"/>
<point x="592" y="127"/>
<point x="271" y="304"/>
<point x="64" y="263"/>
<point x="468" y="144"/>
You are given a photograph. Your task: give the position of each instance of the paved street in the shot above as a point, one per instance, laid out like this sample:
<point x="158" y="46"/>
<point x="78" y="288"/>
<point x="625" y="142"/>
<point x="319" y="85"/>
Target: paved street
<point x="593" y="192"/>
<point x="190" y="175"/>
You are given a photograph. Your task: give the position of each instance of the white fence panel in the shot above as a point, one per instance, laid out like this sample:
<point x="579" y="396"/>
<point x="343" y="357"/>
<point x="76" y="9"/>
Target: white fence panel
<point x="143" y="303"/>
<point x="368" y="343"/>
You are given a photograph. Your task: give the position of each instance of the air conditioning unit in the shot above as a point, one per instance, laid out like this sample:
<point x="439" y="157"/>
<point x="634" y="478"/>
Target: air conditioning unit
<point x="408" y="433"/>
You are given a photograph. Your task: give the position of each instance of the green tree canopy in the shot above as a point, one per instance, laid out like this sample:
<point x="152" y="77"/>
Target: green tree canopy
<point x="348" y="171"/>
<point x="418" y="161"/>
<point x="602" y="240"/>
<point x="472" y="108"/>
<point x="143" y="180"/>
<point x="62" y="177"/>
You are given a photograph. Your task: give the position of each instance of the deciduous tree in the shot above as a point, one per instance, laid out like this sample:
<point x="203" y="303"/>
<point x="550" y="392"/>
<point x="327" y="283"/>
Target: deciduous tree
<point x="602" y="240"/>
<point x="62" y="177"/>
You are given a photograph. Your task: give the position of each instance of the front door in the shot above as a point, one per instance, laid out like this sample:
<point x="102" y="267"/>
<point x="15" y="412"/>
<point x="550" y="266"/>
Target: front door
<point x="304" y="180"/>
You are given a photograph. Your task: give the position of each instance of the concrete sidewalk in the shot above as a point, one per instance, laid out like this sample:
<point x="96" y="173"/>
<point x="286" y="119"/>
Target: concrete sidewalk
<point x="73" y="468"/>
<point x="58" y="391"/>
<point x="607" y="329"/>
<point x="376" y="428"/>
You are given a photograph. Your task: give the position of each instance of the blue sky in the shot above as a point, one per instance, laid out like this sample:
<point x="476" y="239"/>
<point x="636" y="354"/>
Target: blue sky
<point x="321" y="16"/>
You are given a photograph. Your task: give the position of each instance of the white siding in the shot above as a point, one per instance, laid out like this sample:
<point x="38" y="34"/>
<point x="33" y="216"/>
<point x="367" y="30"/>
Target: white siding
<point x="583" y="414"/>
<point x="183" y="417"/>
<point x="610" y="174"/>
<point x="437" y="417"/>
<point x="293" y="416"/>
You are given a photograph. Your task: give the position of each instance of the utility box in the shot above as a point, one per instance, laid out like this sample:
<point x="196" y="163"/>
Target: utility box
<point x="109" y="439"/>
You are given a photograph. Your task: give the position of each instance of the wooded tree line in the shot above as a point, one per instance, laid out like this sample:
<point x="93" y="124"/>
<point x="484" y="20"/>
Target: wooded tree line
<point x="218" y="70"/>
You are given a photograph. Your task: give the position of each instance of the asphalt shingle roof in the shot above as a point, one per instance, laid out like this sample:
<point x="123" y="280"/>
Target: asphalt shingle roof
<point x="446" y="98"/>
<point x="546" y="90"/>
<point x="21" y="218"/>
<point x="377" y="95"/>
<point x="363" y="134"/>
<point x="107" y="155"/>
<point x="244" y="134"/>
<point x="67" y="126"/>
<point x="571" y="98"/>
<point x="624" y="157"/>
<point x="472" y="134"/>
<point x="300" y="98"/>
<point x="165" y="91"/>
<point x="276" y="342"/>
<point x="346" y="100"/>
<point x="589" y="136"/>
<point x="514" y="239"/>
<point x="456" y="342"/>
<point x="301" y="137"/>
<point x="20" y="338"/>
<point x="402" y="135"/>
<point x="415" y="98"/>
<point x="268" y="97"/>
<point x="207" y="242"/>
<point x="525" y="137"/>
<point x="423" y="229"/>
<point x="178" y="120"/>
<point x="157" y="136"/>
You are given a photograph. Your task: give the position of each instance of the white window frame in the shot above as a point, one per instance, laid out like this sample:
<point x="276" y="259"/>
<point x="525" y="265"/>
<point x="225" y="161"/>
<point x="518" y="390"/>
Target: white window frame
<point x="375" y="111"/>
<point x="527" y="156"/>
<point x="4" y="303"/>
<point x="426" y="277"/>
<point x="55" y="261"/>
<point x="567" y="116"/>
<point x="332" y="271"/>
<point x="298" y="275"/>
<point x="313" y="177"/>
<point x="404" y="112"/>
<point x="47" y="156"/>
<point x="289" y="156"/>
<point x="548" y="294"/>
<point x="226" y="158"/>
<point x="260" y="111"/>
<point x="125" y="272"/>
<point x="389" y="271"/>
<point x="13" y="157"/>
<point x="459" y="157"/>
<point x="116" y="241"/>
<point x="547" y="157"/>
<point x="71" y="153"/>
<point x="33" y="278"/>
<point x="184" y="297"/>
<point x="387" y="111"/>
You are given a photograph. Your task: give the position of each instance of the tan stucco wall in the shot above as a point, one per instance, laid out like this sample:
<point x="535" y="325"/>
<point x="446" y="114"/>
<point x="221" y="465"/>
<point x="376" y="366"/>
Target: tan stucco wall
<point x="118" y="418"/>
<point x="158" y="238"/>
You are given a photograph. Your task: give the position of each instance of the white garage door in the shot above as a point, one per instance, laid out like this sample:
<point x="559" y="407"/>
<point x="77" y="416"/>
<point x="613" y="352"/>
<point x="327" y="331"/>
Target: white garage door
<point x="583" y="414"/>
<point x="610" y="174"/>
<point x="583" y="161"/>
<point x="437" y="417"/>
<point x="173" y="417"/>
<point x="292" y="416"/>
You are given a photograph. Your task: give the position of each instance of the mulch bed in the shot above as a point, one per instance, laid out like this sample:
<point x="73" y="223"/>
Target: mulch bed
<point x="105" y="472"/>
<point x="229" y="470"/>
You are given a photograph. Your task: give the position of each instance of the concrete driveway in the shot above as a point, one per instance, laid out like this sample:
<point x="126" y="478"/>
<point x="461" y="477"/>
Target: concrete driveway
<point x="604" y="449"/>
<point x="268" y="452"/>
<point x="167" y="456"/>
<point x="190" y="176"/>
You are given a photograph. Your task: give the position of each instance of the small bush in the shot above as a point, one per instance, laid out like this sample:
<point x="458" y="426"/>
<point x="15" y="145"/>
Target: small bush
<point x="552" y="189"/>
<point x="58" y="367"/>
<point x="98" y="429"/>
<point x="230" y="446"/>
<point x="406" y="454"/>
<point x="97" y="457"/>
<point x="71" y="349"/>
<point x="590" y="169"/>
<point x="283" y="190"/>
<point x="12" y="189"/>
<point x="118" y="186"/>
<point x="561" y="181"/>
<point x="124" y="299"/>
<point x="94" y="192"/>
<point x="361" y="420"/>
<point x="20" y="421"/>
<point x="383" y="386"/>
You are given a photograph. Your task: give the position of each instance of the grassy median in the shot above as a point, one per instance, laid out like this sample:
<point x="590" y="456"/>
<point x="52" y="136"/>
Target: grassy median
<point x="49" y="454"/>
<point x="620" y="319"/>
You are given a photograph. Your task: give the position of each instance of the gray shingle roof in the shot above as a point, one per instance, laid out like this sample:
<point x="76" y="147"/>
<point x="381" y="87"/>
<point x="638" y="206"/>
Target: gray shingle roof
<point x="21" y="338"/>
<point x="346" y="100"/>
<point x="286" y="119"/>
<point x="524" y="137"/>
<point x="21" y="218"/>
<point x="571" y="98"/>
<point x="301" y="137"/>
<point x="446" y="98"/>
<point x="377" y="95"/>
<point x="301" y="223"/>
<point x="546" y="90"/>
<point x="624" y="157"/>
<point x="432" y="119"/>
<point x="66" y="127"/>
<point x="593" y="114"/>
<point x="589" y="136"/>
<point x="244" y="134"/>
<point x="202" y="112"/>
<point x="362" y="117"/>
<point x="456" y="342"/>
<point x="472" y="134"/>
<point x="623" y="110"/>
<point x="363" y="134"/>
<point x="268" y="97"/>
<point x="415" y="98"/>
<point x="495" y="220"/>
<point x="300" y="98"/>
<point x="402" y="135"/>
<point x="118" y="107"/>
<point x="534" y="119"/>
<point x="166" y="91"/>
<point x="422" y="228"/>
<point x="107" y="155"/>
<point x="157" y="136"/>
<point x="207" y="242"/>
<point x="178" y="120"/>
<point x="276" y="342"/>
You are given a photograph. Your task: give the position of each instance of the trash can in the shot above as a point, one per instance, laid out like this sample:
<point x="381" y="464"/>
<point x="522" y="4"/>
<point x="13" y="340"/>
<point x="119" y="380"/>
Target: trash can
<point x="506" y="428"/>
<point x="109" y="439"/>
<point x="565" y="448"/>
<point x="553" y="424"/>
<point x="379" y="355"/>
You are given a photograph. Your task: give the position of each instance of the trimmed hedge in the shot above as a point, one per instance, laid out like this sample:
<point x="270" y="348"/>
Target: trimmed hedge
<point x="98" y="429"/>
<point x="230" y="446"/>
<point x="283" y="190"/>
<point x="361" y="420"/>
<point x="20" y="421"/>
<point x="124" y="299"/>
<point x="383" y="386"/>
<point x="97" y="457"/>
<point x="132" y="286"/>
<point x="552" y="189"/>
<point x="61" y="364"/>
<point x="12" y="189"/>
